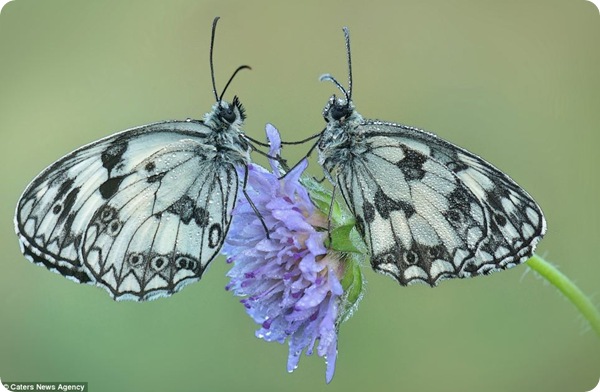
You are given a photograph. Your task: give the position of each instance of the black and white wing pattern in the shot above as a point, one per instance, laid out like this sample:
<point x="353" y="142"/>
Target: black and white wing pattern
<point x="427" y="209"/>
<point x="140" y="213"/>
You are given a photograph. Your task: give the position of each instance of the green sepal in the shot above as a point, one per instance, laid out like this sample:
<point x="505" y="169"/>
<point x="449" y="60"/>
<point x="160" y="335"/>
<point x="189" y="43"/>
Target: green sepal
<point x="321" y="198"/>
<point x="342" y="240"/>
<point x="353" y="285"/>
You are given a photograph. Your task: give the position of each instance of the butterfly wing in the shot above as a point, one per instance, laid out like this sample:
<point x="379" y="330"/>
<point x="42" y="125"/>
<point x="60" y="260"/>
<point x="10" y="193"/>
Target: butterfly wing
<point x="429" y="210"/>
<point x="140" y="213"/>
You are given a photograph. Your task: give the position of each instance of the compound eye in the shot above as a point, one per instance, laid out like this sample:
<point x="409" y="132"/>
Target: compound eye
<point x="228" y="115"/>
<point x="339" y="112"/>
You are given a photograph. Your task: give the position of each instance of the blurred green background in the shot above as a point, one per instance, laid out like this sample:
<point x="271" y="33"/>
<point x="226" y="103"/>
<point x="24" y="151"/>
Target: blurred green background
<point x="515" y="82"/>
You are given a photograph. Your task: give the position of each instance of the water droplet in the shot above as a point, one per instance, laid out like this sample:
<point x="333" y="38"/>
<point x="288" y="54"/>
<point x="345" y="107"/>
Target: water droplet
<point x="292" y="369"/>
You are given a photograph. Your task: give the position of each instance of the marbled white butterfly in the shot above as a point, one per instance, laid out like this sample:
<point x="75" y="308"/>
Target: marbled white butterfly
<point x="140" y="213"/>
<point x="427" y="210"/>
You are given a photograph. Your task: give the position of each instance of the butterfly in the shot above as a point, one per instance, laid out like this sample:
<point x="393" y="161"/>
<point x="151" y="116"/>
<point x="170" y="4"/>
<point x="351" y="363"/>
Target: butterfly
<point x="427" y="209"/>
<point x="143" y="212"/>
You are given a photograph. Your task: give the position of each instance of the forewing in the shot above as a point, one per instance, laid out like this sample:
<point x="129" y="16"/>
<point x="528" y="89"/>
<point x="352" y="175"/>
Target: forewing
<point x="460" y="215"/>
<point x="61" y="209"/>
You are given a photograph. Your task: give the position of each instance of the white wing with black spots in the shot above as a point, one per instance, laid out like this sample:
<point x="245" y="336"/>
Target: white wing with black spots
<point x="140" y="213"/>
<point x="429" y="210"/>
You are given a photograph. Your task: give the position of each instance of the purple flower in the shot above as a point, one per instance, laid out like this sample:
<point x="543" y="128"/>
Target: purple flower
<point x="289" y="281"/>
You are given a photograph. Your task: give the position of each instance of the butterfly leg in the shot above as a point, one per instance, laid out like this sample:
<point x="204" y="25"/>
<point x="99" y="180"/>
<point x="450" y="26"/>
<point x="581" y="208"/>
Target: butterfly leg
<point x="307" y="154"/>
<point x="256" y="211"/>
<point x="278" y="158"/>
<point x="329" y="213"/>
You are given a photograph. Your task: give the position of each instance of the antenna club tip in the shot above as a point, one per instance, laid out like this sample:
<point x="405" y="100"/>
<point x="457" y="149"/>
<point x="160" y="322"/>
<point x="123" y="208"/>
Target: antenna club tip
<point x="325" y="77"/>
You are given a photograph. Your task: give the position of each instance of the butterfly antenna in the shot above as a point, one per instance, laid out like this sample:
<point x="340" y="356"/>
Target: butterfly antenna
<point x="347" y="37"/>
<point x="347" y="93"/>
<point x="231" y="79"/>
<point x="328" y="77"/>
<point x="212" y="45"/>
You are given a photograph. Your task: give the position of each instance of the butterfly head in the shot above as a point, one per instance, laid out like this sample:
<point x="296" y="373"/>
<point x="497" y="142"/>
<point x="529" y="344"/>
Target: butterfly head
<point x="338" y="110"/>
<point x="225" y="115"/>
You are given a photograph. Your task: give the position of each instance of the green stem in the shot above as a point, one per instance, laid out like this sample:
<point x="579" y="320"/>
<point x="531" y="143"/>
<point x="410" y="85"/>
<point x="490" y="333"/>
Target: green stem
<point x="568" y="288"/>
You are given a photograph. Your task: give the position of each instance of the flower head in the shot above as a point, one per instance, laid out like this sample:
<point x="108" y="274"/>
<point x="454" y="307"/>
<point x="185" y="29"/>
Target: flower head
<point x="289" y="280"/>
